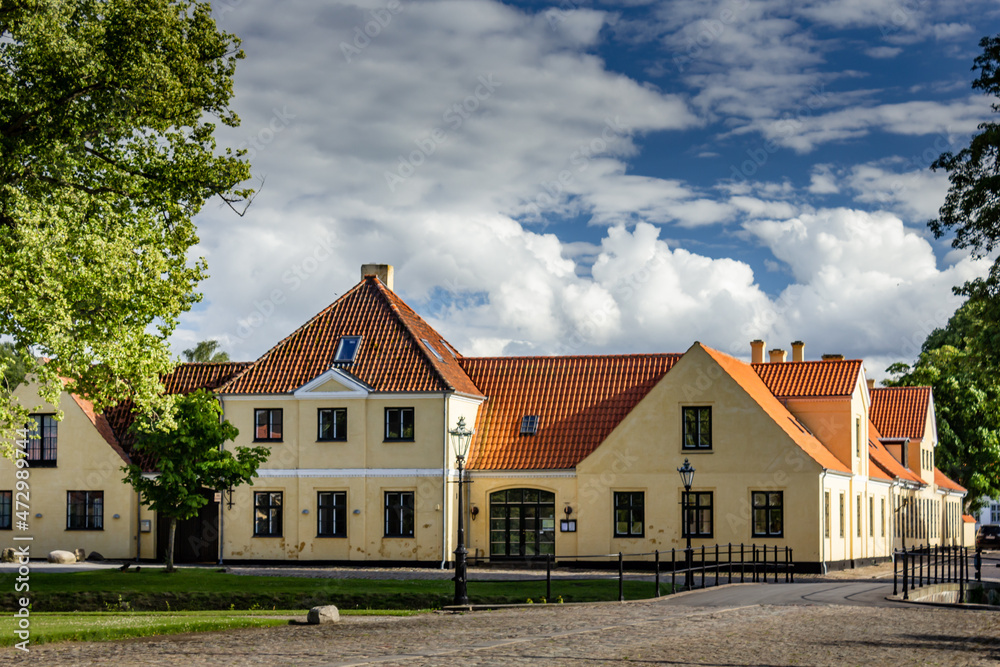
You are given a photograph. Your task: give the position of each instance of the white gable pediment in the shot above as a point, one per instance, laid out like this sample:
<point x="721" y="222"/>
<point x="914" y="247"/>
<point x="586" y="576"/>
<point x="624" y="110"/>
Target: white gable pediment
<point x="334" y="383"/>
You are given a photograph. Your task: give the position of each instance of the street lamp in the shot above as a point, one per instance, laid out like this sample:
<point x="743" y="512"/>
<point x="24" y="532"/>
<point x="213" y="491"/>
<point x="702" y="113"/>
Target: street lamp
<point x="460" y="439"/>
<point x="687" y="478"/>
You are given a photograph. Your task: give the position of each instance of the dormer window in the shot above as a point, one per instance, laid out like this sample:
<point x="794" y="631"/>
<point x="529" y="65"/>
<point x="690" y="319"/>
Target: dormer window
<point x="529" y="425"/>
<point x="427" y="344"/>
<point x="347" y="349"/>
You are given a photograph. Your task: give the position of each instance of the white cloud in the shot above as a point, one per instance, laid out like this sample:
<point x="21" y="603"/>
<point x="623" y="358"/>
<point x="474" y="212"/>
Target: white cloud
<point x="822" y="180"/>
<point x="883" y="51"/>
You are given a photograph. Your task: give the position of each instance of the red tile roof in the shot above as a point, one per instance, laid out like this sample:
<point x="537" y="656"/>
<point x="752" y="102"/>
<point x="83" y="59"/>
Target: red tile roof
<point x="810" y="378"/>
<point x="184" y="379"/>
<point x="944" y="482"/>
<point x="968" y="518"/>
<point x="750" y="380"/>
<point x="901" y="412"/>
<point x="579" y="400"/>
<point x="884" y="462"/>
<point x="391" y="357"/>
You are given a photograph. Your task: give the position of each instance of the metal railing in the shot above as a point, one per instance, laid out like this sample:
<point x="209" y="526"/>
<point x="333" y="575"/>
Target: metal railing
<point x="928" y="565"/>
<point x="710" y="565"/>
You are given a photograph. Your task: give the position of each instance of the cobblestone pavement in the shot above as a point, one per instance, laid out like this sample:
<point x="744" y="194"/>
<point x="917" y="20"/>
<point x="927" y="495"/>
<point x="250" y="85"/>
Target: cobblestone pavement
<point x="648" y="632"/>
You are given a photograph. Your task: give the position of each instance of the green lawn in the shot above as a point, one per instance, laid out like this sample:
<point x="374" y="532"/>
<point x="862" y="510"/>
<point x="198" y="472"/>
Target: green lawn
<point x="205" y="589"/>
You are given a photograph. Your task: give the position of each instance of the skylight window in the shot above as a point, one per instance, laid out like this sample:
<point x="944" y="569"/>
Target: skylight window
<point x="529" y="425"/>
<point x="347" y="349"/>
<point x="427" y="344"/>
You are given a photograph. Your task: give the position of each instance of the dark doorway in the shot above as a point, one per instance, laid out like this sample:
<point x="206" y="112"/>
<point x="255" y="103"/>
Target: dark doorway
<point x="197" y="539"/>
<point x="522" y="523"/>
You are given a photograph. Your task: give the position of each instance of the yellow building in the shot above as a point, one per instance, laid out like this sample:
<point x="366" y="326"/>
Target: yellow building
<point x="573" y="456"/>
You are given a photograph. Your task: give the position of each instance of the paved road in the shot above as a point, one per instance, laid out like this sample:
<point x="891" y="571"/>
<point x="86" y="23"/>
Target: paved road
<point x="738" y="595"/>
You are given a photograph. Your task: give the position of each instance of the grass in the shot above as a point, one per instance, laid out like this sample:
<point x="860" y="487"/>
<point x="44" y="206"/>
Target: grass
<point x="152" y="589"/>
<point x="106" y="626"/>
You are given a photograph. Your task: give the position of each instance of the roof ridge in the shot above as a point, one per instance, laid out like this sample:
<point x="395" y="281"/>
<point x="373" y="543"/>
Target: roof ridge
<point x="576" y="356"/>
<point x="391" y="298"/>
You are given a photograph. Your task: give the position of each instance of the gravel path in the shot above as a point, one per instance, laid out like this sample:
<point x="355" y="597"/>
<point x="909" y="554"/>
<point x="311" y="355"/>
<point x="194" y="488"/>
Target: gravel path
<point x="647" y="632"/>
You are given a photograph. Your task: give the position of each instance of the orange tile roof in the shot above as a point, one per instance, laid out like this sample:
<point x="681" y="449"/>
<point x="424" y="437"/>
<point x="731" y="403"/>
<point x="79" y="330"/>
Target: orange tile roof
<point x="184" y="379"/>
<point x="810" y="378"/>
<point x="579" y="400"/>
<point x="901" y="412"/>
<point x="391" y="357"/>
<point x="968" y="518"/>
<point x="944" y="482"/>
<point x="747" y="376"/>
<point x="885" y="464"/>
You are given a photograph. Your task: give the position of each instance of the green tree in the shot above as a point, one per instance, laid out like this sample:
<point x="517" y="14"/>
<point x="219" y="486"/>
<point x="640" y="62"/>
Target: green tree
<point x="108" y="110"/>
<point x="966" y="399"/>
<point x="189" y="458"/>
<point x="205" y="352"/>
<point x="13" y="369"/>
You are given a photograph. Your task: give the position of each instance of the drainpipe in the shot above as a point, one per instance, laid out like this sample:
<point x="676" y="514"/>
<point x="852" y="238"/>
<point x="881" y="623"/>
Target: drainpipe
<point x="138" y="526"/>
<point x="444" y="487"/>
<point x="222" y="497"/>
<point x="822" y="535"/>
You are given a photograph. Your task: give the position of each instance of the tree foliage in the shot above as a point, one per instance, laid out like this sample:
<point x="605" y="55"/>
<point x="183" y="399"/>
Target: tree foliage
<point x="207" y="351"/>
<point x="189" y="457"/>
<point x="107" y="116"/>
<point x="13" y="369"/>
<point x="966" y="398"/>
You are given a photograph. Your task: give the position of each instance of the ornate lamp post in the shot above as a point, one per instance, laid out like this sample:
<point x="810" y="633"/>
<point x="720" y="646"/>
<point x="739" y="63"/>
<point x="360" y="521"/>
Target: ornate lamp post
<point x="460" y="439"/>
<point x="687" y="478"/>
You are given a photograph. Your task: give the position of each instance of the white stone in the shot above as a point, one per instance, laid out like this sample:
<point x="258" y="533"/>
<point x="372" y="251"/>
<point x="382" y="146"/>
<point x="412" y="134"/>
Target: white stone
<point x="59" y="556"/>
<point x="81" y="555"/>
<point x="325" y="614"/>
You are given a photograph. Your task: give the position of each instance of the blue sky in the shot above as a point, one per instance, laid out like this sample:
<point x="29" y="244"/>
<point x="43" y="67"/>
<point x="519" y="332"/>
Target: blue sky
<point x="593" y="177"/>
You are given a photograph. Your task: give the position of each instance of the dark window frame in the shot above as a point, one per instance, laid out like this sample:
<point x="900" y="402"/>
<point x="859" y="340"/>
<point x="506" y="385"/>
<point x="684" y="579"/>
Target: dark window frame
<point x="529" y="425"/>
<point x="6" y="510"/>
<point x="333" y="514"/>
<point x="272" y="520"/>
<point x="699" y="413"/>
<point x="694" y="511"/>
<point x="43" y="446"/>
<point x="767" y="508"/>
<point x="273" y="435"/>
<point x="92" y="503"/>
<point x="400" y="517"/>
<point x="400" y="424"/>
<point x="338" y="436"/>
<point x="625" y="505"/>
<point x="345" y="345"/>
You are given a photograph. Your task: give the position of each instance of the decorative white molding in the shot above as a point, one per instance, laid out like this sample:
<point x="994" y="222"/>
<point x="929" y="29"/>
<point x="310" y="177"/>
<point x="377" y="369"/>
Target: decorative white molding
<point x="356" y="388"/>
<point x="521" y="474"/>
<point x="348" y="472"/>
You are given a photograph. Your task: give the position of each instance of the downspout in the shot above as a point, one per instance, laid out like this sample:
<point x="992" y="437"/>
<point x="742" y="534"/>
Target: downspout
<point x="138" y="526"/>
<point x="222" y="496"/>
<point x="444" y="487"/>
<point x="822" y="534"/>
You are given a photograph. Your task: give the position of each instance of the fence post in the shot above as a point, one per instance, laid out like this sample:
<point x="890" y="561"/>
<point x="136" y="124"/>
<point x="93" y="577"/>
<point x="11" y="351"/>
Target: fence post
<point x="548" y="577"/>
<point x="703" y="566"/>
<point x="716" y="563"/>
<point x="788" y="563"/>
<point x="656" y="560"/>
<point x="743" y="566"/>
<point x="791" y="558"/>
<point x="920" y="577"/>
<point x="730" y="562"/>
<point x="895" y="573"/>
<point x="673" y="571"/>
<point x="621" y="578"/>
<point x="979" y="564"/>
<point x="753" y="572"/>
<point x="906" y="589"/>
<point x="962" y="566"/>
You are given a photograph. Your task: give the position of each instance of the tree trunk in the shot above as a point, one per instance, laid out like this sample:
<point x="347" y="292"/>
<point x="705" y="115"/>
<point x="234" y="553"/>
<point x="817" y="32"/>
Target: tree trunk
<point x="170" y="544"/>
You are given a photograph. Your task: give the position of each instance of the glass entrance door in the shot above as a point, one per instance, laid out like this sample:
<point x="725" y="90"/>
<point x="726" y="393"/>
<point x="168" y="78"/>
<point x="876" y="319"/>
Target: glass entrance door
<point x="522" y="523"/>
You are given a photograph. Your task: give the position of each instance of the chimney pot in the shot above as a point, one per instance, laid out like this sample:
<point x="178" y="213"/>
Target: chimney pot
<point x="778" y="356"/>
<point x="833" y="357"/>
<point x="381" y="271"/>
<point x="871" y="383"/>
<point x="798" y="351"/>
<point x="757" y="351"/>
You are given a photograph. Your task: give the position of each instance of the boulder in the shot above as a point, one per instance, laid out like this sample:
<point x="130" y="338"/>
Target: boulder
<point x="325" y="614"/>
<point x="95" y="556"/>
<point x="7" y="555"/>
<point x="81" y="555"/>
<point x="59" y="556"/>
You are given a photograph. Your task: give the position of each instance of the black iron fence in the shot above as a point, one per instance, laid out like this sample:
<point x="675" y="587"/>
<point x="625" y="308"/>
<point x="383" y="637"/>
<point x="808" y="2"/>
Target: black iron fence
<point x="921" y="566"/>
<point x="699" y="567"/>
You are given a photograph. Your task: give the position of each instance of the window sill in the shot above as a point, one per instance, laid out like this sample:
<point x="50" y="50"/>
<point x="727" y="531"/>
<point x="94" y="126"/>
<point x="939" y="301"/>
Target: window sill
<point x="397" y="537"/>
<point x="41" y="464"/>
<point x="265" y="536"/>
<point x="331" y="537"/>
<point x="399" y="440"/>
<point x="628" y="537"/>
<point x="85" y="530"/>
<point x="268" y="440"/>
<point x="331" y="440"/>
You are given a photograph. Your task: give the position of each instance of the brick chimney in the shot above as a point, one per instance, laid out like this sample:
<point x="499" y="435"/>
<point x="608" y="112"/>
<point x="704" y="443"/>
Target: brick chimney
<point x="798" y="351"/>
<point x="381" y="271"/>
<point x="778" y="356"/>
<point x="757" y="351"/>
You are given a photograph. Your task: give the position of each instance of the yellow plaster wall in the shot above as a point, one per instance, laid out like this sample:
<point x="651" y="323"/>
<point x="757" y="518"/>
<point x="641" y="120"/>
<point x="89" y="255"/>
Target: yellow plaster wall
<point x="85" y="462"/>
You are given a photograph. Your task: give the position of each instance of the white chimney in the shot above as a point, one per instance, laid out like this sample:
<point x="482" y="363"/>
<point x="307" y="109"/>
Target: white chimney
<point x="778" y="356"/>
<point x="381" y="271"/>
<point x="757" y="351"/>
<point x="798" y="351"/>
